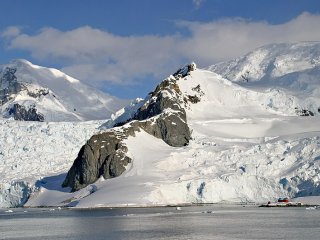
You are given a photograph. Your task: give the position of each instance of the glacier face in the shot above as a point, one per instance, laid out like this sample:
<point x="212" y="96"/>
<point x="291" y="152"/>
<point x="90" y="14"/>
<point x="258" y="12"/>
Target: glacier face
<point x="14" y="194"/>
<point x="32" y="151"/>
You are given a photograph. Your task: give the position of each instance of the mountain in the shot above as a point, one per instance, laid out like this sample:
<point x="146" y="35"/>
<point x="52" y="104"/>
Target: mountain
<point x="272" y="62"/>
<point x="293" y="67"/>
<point x="196" y="138"/>
<point x="34" y="93"/>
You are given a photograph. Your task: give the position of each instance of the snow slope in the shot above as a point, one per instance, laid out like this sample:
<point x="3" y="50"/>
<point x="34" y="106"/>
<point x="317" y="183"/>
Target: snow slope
<point x="244" y="149"/>
<point x="292" y="67"/>
<point x="55" y="95"/>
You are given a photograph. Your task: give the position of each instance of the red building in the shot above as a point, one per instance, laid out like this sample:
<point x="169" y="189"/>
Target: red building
<point x="284" y="200"/>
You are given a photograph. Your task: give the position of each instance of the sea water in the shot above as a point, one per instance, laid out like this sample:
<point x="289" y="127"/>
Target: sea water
<point x="199" y="222"/>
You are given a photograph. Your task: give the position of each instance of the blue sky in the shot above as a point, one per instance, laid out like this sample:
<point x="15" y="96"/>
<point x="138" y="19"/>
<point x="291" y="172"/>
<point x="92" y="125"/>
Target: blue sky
<point x="125" y="47"/>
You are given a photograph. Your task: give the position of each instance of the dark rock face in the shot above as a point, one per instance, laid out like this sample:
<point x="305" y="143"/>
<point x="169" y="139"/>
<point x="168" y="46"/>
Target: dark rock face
<point x="185" y="71"/>
<point x="171" y="128"/>
<point x="19" y="112"/>
<point x="8" y="84"/>
<point x="103" y="155"/>
<point x="304" y="112"/>
<point x="162" y="116"/>
<point x="39" y="93"/>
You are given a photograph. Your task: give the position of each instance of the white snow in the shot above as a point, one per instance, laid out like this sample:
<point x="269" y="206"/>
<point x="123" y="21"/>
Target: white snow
<point x="248" y="144"/>
<point x="273" y="60"/>
<point x="242" y="151"/>
<point x="211" y="169"/>
<point x="294" y="68"/>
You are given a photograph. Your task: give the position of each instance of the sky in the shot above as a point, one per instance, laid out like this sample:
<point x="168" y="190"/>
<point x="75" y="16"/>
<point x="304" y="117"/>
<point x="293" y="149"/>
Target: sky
<point x="125" y="47"/>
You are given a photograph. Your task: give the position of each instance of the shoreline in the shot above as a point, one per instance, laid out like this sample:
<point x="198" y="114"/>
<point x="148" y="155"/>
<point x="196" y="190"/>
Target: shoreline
<point x="142" y="206"/>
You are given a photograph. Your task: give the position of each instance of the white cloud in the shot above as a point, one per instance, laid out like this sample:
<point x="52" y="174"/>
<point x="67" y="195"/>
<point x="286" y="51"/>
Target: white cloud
<point x="11" y="31"/>
<point x="197" y="3"/>
<point x="94" y="55"/>
<point x="98" y="55"/>
<point x="229" y="38"/>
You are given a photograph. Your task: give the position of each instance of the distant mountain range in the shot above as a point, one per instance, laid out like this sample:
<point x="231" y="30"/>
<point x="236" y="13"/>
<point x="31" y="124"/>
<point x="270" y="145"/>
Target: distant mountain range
<point x="294" y="68"/>
<point x="34" y="93"/>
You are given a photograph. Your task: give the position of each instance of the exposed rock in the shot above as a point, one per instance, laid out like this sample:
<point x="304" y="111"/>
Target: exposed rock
<point x="170" y="123"/>
<point x="193" y="99"/>
<point x="304" y="112"/>
<point x="185" y="71"/>
<point x="171" y="128"/>
<point x="197" y="89"/>
<point x="103" y="155"/>
<point x="161" y="115"/>
<point x="8" y="84"/>
<point x="19" y="112"/>
<point x="39" y="93"/>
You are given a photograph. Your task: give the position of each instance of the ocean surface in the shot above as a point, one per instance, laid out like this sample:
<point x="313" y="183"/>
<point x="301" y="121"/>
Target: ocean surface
<point x="200" y="222"/>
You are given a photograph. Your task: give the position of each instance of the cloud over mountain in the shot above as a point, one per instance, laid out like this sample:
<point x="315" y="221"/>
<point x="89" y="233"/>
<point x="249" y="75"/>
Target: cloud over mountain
<point x="96" y="55"/>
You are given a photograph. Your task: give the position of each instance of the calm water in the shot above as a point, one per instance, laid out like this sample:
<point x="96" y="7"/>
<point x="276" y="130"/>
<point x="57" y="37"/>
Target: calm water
<point x="226" y="222"/>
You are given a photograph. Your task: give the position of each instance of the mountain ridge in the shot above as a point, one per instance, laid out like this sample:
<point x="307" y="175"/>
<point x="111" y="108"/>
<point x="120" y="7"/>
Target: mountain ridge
<point x="32" y="92"/>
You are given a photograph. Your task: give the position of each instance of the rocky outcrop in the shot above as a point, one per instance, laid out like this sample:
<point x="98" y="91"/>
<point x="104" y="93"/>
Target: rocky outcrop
<point x="164" y="110"/>
<point x="103" y="155"/>
<point x="38" y="93"/>
<point x="19" y="112"/>
<point x="185" y="71"/>
<point x="171" y="128"/>
<point x="166" y="116"/>
<point x="8" y="84"/>
<point x="162" y="115"/>
<point x="304" y="112"/>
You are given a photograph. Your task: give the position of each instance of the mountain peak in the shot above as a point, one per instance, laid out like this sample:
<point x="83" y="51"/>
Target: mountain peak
<point x="22" y="64"/>
<point x="51" y="93"/>
<point x="270" y="62"/>
<point x="20" y="61"/>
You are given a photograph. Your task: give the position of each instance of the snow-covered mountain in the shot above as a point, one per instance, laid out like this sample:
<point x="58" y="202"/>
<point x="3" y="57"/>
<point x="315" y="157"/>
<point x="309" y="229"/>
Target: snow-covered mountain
<point x="197" y="138"/>
<point x="292" y="67"/>
<point x="35" y="93"/>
